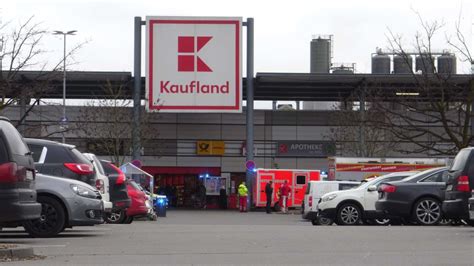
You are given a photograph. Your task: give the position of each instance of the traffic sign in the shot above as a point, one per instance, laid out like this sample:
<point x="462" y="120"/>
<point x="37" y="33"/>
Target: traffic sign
<point x="250" y="165"/>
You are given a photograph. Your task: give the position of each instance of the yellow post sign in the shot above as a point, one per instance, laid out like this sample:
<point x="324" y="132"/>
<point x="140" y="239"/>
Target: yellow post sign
<point x="210" y="147"/>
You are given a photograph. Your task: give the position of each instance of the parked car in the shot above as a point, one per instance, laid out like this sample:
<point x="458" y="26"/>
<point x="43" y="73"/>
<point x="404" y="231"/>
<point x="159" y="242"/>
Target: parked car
<point x="65" y="203"/>
<point x="138" y="206"/>
<point x="313" y="193"/>
<point x="118" y="191"/>
<point x="351" y="207"/>
<point x="417" y="197"/>
<point x="102" y="181"/>
<point x="459" y="185"/>
<point x="17" y="177"/>
<point x="61" y="160"/>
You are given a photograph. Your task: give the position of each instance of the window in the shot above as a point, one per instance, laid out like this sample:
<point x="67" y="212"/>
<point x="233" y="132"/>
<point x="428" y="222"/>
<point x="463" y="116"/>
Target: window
<point x="300" y="180"/>
<point x="343" y="186"/>
<point x="3" y="152"/>
<point x="438" y="177"/>
<point x="37" y="150"/>
<point x="460" y="160"/>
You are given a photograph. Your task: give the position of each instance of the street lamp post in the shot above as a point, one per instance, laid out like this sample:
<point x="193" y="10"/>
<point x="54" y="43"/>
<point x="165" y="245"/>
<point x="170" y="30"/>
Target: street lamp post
<point x="64" y="33"/>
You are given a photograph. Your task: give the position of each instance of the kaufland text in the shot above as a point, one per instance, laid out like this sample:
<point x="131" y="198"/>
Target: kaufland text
<point x="194" y="87"/>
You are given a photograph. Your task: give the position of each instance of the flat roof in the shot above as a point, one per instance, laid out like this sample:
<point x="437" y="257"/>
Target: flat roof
<point x="268" y="86"/>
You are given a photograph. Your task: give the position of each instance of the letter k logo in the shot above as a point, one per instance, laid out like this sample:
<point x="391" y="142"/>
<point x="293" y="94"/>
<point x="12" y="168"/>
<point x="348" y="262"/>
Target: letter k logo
<point x="188" y="47"/>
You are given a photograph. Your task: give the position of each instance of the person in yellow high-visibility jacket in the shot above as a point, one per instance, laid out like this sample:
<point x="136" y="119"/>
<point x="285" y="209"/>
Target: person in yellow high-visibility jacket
<point x="243" y="193"/>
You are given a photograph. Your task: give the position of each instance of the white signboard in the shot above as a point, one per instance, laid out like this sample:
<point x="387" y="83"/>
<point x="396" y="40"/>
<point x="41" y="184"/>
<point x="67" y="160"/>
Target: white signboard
<point x="193" y="64"/>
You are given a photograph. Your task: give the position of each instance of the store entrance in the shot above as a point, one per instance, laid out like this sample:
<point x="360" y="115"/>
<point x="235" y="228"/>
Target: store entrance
<point x="182" y="185"/>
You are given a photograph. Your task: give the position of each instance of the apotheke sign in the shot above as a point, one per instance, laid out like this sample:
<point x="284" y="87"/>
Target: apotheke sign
<point x="305" y="148"/>
<point x="194" y="64"/>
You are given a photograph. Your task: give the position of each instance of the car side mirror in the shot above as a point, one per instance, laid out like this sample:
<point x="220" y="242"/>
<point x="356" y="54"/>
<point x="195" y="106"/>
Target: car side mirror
<point x="372" y="188"/>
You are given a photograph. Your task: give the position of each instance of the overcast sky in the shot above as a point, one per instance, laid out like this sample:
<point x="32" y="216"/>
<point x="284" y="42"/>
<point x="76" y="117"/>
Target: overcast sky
<point x="283" y="29"/>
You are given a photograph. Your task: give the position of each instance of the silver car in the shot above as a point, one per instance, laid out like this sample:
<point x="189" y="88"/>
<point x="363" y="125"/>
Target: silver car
<point x="65" y="203"/>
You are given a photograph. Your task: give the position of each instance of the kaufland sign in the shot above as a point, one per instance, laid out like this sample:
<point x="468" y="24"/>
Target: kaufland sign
<point x="193" y="64"/>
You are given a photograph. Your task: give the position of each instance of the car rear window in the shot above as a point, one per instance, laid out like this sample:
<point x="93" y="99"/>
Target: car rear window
<point x="3" y="152"/>
<point x="99" y="167"/>
<point x="14" y="139"/>
<point x="37" y="150"/>
<point x="57" y="154"/>
<point x="460" y="160"/>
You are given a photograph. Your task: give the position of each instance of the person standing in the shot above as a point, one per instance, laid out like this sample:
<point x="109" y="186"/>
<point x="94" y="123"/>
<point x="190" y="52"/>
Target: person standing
<point x="243" y="193"/>
<point x="269" y="194"/>
<point x="285" y="194"/>
<point x="223" y="198"/>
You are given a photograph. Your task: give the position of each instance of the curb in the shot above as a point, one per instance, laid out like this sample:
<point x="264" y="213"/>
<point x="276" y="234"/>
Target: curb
<point x="20" y="251"/>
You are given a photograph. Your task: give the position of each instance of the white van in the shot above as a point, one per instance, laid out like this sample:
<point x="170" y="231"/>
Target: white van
<point x="315" y="190"/>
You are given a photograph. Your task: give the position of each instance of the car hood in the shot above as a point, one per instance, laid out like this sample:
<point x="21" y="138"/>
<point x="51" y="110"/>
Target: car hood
<point x="49" y="179"/>
<point x="339" y="192"/>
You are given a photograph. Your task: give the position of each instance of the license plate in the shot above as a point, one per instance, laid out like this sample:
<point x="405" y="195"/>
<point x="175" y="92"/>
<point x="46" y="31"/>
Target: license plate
<point x="29" y="175"/>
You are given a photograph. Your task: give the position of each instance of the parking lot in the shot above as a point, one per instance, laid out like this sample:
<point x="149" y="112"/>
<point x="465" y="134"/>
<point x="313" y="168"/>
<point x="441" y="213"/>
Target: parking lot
<point x="214" y="237"/>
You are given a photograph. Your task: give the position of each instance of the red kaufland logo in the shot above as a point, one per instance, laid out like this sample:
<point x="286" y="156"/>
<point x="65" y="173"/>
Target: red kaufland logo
<point x="188" y="47"/>
<point x="194" y="64"/>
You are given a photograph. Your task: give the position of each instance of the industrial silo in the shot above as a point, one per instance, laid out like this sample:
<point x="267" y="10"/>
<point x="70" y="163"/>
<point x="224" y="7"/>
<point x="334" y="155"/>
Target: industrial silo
<point x="380" y="63"/>
<point x="424" y="63"/>
<point x="321" y="54"/>
<point x="447" y="63"/>
<point x="402" y="64"/>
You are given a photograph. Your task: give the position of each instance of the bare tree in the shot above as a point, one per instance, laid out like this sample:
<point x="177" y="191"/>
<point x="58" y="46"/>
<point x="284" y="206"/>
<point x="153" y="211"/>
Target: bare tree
<point x="20" y="53"/>
<point x="355" y="135"/>
<point x="108" y="122"/>
<point x="433" y="112"/>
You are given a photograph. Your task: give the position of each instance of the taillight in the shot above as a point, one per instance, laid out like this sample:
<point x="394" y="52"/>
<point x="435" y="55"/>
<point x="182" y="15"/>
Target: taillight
<point x="99" y="184"/>
<point x="310" y="201"/>
<point x="463" y="184"/>
<point x="387" y="188"/>
<point x="80" y="168"/>
<point x="8" y="173"/>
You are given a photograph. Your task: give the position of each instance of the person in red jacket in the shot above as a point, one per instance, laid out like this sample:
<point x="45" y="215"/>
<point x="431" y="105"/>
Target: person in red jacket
<point x="285" y="192"/>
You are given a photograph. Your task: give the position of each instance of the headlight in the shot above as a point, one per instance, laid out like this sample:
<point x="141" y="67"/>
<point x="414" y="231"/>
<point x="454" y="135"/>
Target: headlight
<point x="329" y="197"/>
<point x="84" y="191"/>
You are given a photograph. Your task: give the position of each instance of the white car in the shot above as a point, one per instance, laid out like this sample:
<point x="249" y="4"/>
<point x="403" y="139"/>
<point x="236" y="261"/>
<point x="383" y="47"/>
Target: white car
<point x="102" y="182"/>
<point x="315" y="190"/>
<point x="351" y="207"/>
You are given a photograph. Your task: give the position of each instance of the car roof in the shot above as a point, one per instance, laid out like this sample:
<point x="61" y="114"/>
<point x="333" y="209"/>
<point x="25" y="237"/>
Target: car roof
<point x="48" y="142"/>
<point x="4" y="118"/>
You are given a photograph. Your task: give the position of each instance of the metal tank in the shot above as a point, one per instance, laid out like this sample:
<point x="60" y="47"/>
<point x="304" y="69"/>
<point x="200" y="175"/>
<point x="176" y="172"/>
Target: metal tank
<point x="402" y="64"/>
<point x="320" y="54"/>
<point x="447" y="63"/>
<point x="424" y="63"/>
<point x="380" y="64"/>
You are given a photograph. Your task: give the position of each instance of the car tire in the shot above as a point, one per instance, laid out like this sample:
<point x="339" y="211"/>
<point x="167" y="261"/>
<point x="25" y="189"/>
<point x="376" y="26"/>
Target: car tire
<point x="128" y="220"/>
<point x="427" y="211"/>
<point x="52" y="220"/>
<point x="322" y="221"/>
<point x="349" y="214"/>
<point x="115" y="217"/>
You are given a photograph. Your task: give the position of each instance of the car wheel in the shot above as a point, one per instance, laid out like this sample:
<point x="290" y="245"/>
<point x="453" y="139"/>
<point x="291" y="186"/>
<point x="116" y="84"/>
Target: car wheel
<point x="128" y="220"/>
<point x="382" y="221"/>
<point x="51" y="222"/>
<point x="115" y="217"/>
<point x="322" y="221"/>
<point x="446" y="222"/>
<point x="427" y="211"/>
<point x="276" y="207"/>
<point x="349" y="214"/>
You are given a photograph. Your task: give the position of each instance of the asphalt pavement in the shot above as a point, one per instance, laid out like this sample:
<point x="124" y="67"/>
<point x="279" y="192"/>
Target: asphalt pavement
<point x="229" y="237"/>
